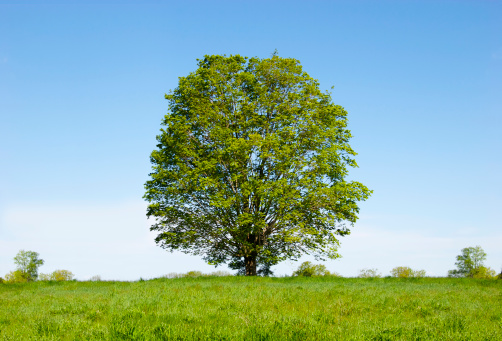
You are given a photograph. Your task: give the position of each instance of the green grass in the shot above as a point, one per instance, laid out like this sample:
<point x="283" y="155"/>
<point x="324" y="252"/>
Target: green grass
<point x="239" y="308"/>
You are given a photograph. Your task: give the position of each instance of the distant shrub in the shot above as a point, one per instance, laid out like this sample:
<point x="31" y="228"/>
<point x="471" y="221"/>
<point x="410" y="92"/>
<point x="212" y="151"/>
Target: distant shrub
<point x="484" y="272"/>
<point x="1" y="280"/>
<point x="57" y="275"/>
<point x="172" y="275"/>
<point x="406" y="272"/>
<point x="193" y="274"/>
<point x="17" y="276"/>
<point x="96" y="278"/>
<point x="455" y="273"/>
<point x="369" y="273"/>
<point x="419" y="273"/>
<point x="401" y="271"/>
<point x="62" y="275"/>
<point x="220" y="273"/>
<point x="307" y="269"/>
<point x="44" y="277"/>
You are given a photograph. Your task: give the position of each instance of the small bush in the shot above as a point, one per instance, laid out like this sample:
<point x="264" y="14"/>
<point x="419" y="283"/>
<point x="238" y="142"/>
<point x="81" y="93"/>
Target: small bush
<point x="62" y="275"/>
<point x="96" y="278"/>
<point x="172" y="275"/>
<point x="406" y="272"/>
<point x="58" y="276"/>
<point x="484" y="273"/>
<point x="307" y="269"/>
<point x="17" y="276"/>
<point x="44" y="277"/>
<point x="402" y="272"/>
<point x="1" y="280"/>
<point x="479" y="272"/>
<point x="220" y="273"/>
<point x="193" y="274"/>
<point x="419" y="273"/>
<point x="455" y="273"/>
<point x="369" y="273"/>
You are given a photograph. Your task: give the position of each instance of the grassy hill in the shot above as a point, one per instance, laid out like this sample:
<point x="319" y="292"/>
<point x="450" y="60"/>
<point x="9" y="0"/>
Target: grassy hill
<point x="239" y="308"/>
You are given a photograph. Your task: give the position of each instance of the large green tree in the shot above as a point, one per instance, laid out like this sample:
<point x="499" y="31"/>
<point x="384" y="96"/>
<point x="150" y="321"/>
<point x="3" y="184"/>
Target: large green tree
<point x="251" y="165"/>
<point x="470" y="263"/>
<point x="27" y="263"/>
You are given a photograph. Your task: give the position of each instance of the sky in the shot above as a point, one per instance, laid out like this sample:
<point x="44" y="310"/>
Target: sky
<point x="82" y="87"/>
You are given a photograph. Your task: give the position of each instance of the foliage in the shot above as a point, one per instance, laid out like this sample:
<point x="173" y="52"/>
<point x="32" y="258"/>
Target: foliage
<point x="307" y="269"/>
<point x="173" y="275"/>
<point x="194" y="274"/>
<point x="95" y="278"/>
<point x="28" y="263"/>
<point x="16" y="276"/>
<point x="1" y="280"/>
<point x="251" y="164"/>
<point x="402" y="271"/>
<point x="369" y="273"/>
<point x="214" y="308"/>
<point x="62" y="275"/>
<point x="220" y="273"/>
<point x="484" y="272"/>
<point x="470" y="264"/>
<point x="406" y="272"/>
<point x="58" y="276"/>
<point x="419" y="273"/>
<point x="44" y="277"/>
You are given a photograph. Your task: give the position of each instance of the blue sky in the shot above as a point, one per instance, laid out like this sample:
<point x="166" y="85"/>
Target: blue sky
<point x="82" y="95"/>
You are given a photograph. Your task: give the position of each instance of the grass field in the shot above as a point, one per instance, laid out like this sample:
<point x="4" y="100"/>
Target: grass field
<point x="239" y="308"/>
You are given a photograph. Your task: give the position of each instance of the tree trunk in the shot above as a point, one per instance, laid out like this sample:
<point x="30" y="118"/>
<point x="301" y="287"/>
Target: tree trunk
<point x="250" y="262"/>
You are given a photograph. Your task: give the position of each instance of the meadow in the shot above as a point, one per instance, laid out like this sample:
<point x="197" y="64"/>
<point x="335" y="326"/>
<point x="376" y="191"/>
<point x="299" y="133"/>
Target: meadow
<point x="241" y="308"/>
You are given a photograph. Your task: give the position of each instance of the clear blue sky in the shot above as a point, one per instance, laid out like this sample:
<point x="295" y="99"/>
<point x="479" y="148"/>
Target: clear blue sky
<point x="82" y="95"/>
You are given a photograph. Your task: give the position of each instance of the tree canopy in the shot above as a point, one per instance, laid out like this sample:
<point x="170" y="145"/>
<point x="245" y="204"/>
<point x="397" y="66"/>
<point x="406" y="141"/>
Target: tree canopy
<point x="28" y="263"/>
<point x="251" y="165"/>
<point x="470" y="263"/>
<point x="307" y="269"/>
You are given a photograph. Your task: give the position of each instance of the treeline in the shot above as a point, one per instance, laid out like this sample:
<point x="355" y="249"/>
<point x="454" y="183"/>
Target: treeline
<point x="27" y="264"/>
<point x="470" y="263"/>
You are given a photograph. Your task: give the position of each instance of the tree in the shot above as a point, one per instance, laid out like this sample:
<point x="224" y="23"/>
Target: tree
<point x="406" y="272"/>
<point x="369" y="273"/>
<point x="470" y="263"/>
<point x="58" y="276"/>
<point x="16" y="276"/>
<point x="484" y="272"/>
<point x="307" y="269"/>
<point x="263" y="267"/>
<point x="251" y="165"/>
<point x="28" y="263"/>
